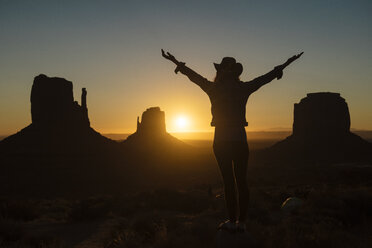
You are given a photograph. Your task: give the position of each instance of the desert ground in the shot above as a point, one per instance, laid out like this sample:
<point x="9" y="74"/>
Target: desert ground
<point x="182" y="207"/>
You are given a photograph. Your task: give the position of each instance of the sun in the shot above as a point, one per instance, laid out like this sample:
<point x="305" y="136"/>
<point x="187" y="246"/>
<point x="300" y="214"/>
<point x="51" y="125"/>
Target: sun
<point x="182" y="122"/>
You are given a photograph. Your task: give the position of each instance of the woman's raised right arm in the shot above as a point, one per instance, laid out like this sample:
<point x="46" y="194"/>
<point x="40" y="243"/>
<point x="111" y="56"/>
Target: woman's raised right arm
<point x="203" y="83"/>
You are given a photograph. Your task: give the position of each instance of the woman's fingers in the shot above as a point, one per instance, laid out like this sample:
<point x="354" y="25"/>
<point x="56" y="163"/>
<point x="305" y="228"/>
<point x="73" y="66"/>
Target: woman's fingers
<point x="167" y="55"/>
<point x="293" y="58"/>
<point x="163" y="54"/>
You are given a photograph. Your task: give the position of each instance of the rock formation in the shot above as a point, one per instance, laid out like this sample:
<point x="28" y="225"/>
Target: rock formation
<point x="152" y="122"/>
<point x="321" y="132"/>
<point x="151" y="133"/>
<point x="59" y="124"/>
<point x="52" y="103"/>
<point x="327" y="114"/>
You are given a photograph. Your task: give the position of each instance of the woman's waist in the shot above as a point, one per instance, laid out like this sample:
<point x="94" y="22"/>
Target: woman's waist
<point x="230" y="133"/>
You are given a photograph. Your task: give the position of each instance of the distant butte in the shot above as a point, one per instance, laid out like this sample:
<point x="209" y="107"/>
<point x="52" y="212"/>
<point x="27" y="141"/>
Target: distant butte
<point x="152" y="122"/>
<point x="53" y="105"/>
<point x="59" y="124"/>
<point x="321" y="132"/>
<point x="151" y="133"/>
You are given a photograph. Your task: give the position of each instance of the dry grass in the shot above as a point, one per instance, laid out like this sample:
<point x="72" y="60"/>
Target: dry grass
<point x="331" y="216"/>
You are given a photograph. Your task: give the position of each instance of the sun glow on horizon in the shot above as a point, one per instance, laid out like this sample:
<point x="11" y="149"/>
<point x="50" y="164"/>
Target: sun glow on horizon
<point x="181" y="123"/>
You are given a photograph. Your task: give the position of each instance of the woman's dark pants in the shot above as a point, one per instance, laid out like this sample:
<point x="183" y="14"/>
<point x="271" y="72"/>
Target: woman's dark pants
<point x="232" y="158"/>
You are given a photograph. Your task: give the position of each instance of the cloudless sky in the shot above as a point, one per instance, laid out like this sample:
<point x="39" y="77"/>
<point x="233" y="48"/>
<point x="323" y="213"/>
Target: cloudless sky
<point x="113" y="49"/>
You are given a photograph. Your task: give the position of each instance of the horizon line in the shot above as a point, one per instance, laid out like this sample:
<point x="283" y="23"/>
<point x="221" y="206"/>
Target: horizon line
<point x="210" y="131"/>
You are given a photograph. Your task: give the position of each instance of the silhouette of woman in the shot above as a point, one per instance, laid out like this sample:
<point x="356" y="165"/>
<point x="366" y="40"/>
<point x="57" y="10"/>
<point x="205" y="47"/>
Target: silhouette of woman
<point x="228" y="96"/>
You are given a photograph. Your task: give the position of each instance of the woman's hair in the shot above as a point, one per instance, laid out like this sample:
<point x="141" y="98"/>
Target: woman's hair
<point x="218" y="78"/>
<point x="232" y="76"/>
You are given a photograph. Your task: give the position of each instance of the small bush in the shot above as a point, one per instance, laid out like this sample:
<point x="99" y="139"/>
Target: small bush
<point x="185" y="202"/>
<point x="90" y="209"/>
<point x="22" y="210"/>
<point x="11" y="231"/>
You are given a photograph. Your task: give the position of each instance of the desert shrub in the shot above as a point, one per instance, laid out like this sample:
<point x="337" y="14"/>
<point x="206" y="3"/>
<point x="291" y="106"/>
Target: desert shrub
<point x="204" y="228"/>
<point x="349" y="206"/>
<point x="41" y="242"/>
<point x="128" y="205"/>
<point x="149" y="228"/>
<point x="145" y="230"/>
<point x="171" y="200"/>
<point x="10" y="231"/>
<point x="191" y="202"/>
<point x="357" y="208"/>
<point x="90" y="209"/>
<point x="22" y="210"/>
<point x="56" y="209"/>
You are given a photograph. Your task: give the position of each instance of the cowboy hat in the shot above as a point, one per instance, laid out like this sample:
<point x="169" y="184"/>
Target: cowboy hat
<point x="230" y="64"/>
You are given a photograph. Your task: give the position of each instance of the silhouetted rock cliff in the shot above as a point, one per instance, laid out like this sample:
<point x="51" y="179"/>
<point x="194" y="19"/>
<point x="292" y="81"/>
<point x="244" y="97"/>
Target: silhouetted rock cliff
<point x="321" y="132"/>
<point x="321" y="115"/>
<point x="59" y="124"/>
<point x="153" y="122"/>
<point x="151" y="133"/>
<point x="52" y="103"/>
<point x="156" y="156"/>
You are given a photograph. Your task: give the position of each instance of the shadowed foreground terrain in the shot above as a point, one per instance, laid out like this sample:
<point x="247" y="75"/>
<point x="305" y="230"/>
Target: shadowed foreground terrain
<point x="331" y="216"/>
<point x="178" y="202"/>
<point x="170" y="206"/>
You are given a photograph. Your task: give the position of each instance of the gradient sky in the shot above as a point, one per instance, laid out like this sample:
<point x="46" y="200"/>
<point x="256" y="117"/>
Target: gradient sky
<point x="113" y="49"/>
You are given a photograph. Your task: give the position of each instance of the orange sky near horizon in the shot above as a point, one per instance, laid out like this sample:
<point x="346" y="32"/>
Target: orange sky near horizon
<point x="113" y="49"/>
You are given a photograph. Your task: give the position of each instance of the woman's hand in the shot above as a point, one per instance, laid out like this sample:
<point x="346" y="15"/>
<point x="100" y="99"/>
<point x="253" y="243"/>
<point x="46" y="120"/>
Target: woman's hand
<point x="289" y="61"/>
<point x="169" y="56"/>
<point x="293" y="58"/>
